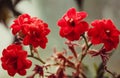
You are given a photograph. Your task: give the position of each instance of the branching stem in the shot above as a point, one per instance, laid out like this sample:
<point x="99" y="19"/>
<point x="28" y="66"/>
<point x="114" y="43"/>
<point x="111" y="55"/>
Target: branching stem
<point x="84" y="53"/>
<point x="32" y="55"/>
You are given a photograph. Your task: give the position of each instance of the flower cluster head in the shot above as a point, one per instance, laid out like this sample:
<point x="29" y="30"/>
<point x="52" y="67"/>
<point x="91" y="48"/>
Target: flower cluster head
<point x="14" y="60"/>
<point x="72" y="25"/>
<point x="31" y="30"/>
<point x="104" y="31"/>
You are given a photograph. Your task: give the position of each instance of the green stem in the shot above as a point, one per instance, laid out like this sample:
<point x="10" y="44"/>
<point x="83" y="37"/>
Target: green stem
<point x="39" y="59"/>
<point x="32" y="55"/>
<point x="86" y="42"/>
<point x="87" y="48"/>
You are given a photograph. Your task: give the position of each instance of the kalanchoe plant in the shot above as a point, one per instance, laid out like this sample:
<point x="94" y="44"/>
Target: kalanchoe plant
<point x="32" y="32"/>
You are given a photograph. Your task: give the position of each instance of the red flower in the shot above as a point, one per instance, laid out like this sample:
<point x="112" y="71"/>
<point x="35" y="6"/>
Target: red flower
<point x="14" y="60"/>
<point x="32" y="30"/>
<point x="72" y="24"/>
<point x="104" y="31"/>
<point x="20" y="22"/>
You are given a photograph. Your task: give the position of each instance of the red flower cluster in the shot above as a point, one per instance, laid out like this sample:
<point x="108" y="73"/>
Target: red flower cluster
<point x="72" y="24"/>
<point x="104" y="31"/>
<point x="33" y="31"/>
<point x="14" y="60"/>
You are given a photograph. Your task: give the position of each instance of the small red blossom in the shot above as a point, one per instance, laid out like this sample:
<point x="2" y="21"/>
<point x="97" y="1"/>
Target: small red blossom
<point x="32" y="30"/>
<point x="20" y="22"/>
<point x="72" y="24"/>
<point x="14" y="60"/>
<point x="104" y="31"/>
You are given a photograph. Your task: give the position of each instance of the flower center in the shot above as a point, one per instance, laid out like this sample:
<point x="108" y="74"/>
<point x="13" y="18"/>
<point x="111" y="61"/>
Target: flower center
<point x="108" y="32"/>
<point x="12" y="62"/>
<point x="70" y="21"/>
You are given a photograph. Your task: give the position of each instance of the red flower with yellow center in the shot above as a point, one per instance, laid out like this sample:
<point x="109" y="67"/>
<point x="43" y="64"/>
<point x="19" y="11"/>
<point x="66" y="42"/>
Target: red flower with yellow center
<point x="104" y="31"/>
<point x="72" y="25"/>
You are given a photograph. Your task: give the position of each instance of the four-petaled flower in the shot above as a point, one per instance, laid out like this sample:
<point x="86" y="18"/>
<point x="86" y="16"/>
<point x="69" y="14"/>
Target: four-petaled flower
<point x="32" y="30"/>
<point x="72" y="25"/>
<point x="104" y="31"/>
<point x="14" y="60"/>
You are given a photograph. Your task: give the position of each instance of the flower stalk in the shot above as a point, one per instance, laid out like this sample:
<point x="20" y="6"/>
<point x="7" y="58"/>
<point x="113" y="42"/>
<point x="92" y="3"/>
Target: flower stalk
<point x="39" y="59"/>
<point x="84" y="53"/>
<point x="32" y="55"/>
